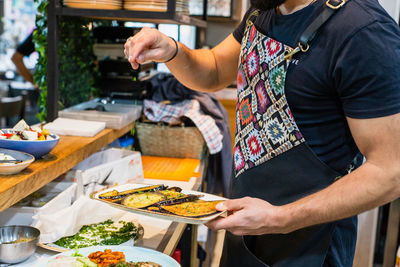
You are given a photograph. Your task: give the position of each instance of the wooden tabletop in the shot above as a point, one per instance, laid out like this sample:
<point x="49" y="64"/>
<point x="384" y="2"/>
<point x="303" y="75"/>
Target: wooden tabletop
<point x="69" y="151"/>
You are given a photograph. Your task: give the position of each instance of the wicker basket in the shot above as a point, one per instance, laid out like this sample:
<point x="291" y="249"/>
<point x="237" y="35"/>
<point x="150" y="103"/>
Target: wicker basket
<point x="170" y="141"/>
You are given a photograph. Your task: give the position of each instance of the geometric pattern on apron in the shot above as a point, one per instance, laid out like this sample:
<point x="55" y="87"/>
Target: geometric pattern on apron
<point x="265" y="127"/>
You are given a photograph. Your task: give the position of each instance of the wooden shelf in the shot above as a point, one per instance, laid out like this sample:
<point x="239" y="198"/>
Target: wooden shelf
<point x="219" y="19"/>
<point x="70" y="151"/>
<point x="131" y="15"/>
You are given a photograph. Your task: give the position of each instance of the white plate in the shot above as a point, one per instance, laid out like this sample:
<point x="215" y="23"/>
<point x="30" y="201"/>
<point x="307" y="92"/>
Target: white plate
<point x="131" y="254"/>
<point x="170" y="217"/>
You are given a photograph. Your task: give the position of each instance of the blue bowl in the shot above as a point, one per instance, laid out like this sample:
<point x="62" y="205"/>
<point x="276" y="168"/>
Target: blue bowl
<point x="37" y="148"/>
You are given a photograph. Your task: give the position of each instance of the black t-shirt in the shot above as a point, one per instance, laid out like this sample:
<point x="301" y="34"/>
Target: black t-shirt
<point x="351" y="69"/>
<point x="26" y="47"/>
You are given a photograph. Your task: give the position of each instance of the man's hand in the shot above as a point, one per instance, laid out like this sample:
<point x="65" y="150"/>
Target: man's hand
<point x="148" y="45"/>
<point x="249" y="216"/>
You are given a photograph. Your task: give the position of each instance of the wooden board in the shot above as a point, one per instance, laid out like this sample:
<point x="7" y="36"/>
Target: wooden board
<point x="69" y="151"/>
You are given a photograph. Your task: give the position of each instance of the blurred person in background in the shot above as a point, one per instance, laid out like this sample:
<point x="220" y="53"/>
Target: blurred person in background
<point x="26" y="48"/>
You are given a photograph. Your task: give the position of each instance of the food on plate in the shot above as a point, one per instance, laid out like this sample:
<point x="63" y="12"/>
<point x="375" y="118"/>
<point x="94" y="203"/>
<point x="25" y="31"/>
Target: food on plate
<point x="22" y="131"/>
<point x="178" y="200"/>
<point x="192" y="209"/>
<point x="107" y="257"/>
<point x="115" y="196"/>
<point x="162" y="199"/>
<point x="149" y="199"/>
<point x="171" y="193"/>
<point x="143" y="200"/>
<point x="104" y="233"/>
<point x="71" y="261"/>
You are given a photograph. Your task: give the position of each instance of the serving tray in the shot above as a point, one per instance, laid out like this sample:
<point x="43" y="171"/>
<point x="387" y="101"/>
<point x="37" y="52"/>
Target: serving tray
<point x="170" y="217"/>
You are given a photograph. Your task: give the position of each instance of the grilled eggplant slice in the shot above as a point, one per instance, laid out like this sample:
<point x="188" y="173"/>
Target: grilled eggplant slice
<point x="174" y="201"/>
<point x="154" y="208"/>
<point x="143" y="200"/>
<point x="175" y="188"/>
<point x="120" y="195"/>
<point x="109" y="194"/>
<point x="170" y="194"/>
<point x="192" y="209"/>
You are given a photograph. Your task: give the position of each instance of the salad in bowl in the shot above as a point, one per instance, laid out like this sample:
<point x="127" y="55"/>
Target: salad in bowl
<point x="22" y="131"/>
<point x="32" y="140"/>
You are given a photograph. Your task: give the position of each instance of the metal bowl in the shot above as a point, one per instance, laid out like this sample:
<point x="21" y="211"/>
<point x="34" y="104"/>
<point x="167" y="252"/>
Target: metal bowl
<point x="12" y="251"/>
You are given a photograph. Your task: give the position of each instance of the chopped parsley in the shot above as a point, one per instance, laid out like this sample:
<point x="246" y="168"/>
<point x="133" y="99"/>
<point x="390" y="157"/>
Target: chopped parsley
<point x="104" y="233"/>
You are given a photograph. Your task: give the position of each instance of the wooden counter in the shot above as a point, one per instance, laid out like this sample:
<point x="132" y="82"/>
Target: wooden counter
<point x="69" y="151"/>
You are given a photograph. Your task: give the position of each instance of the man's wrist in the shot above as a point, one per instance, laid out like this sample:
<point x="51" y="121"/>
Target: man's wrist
<point x="285" y="219"/>
<point x="175" y="52"/>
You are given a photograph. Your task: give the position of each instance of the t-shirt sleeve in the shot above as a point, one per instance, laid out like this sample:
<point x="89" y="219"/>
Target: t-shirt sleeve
<point x="26" y="47"/>
<point x="367" y="72"/>
<point x="239" y="31"/>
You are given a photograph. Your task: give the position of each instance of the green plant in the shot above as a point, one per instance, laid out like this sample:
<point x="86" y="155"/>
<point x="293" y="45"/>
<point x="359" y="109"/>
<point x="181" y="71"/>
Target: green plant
<point x="78" y="73"/>
<point x="40" y="40"/>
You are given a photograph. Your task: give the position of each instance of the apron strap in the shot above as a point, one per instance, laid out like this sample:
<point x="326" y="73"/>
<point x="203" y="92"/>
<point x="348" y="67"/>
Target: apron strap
<point x="330" y="8"/>
<point x="252" y="16"/>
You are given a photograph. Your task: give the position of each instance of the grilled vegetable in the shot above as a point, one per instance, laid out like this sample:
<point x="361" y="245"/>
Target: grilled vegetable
<point x="154" y="208"/>
<point x="172" y="194"/>
<point x="109" y="194"/>
<point x="174" y="201"/>
<point x="192" y="209"/>
<point x="143" y="200"/>
<point x="112" y="197"/>
<point x="175" y="188"/>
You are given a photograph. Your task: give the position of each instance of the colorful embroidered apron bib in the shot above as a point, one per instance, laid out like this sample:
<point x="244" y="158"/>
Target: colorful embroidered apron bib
<point x="272" y="161"/>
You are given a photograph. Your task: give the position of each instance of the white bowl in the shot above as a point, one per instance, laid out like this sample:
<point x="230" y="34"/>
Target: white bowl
<point x="13" y="168"/>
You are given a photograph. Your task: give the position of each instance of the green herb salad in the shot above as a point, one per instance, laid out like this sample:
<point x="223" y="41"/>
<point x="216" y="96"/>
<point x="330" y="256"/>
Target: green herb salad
<point x="104" y="233"/>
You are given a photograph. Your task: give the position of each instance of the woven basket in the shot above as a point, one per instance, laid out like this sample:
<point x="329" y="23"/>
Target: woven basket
<point x="170" y="141"/>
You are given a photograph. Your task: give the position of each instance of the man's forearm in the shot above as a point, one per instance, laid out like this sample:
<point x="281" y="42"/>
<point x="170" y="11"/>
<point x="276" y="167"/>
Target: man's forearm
<point x="195" y="69"/>
<point x="202" y="69"/>
<point x="207" y="70"/>
<point x="367" y="187"/>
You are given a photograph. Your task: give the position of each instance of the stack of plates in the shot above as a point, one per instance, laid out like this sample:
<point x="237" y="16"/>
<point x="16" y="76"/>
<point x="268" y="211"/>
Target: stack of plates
<point x="94" y="4"/>
<point x="156" y="5"/>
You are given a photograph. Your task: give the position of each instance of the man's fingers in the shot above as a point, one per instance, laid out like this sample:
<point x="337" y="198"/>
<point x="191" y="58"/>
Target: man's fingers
<point x="149" y="55"/>
<point x="148" y="45"/>
<point x="231" y="221"/>
<point x="232" y="204"/>
<point x="135" y="46"/>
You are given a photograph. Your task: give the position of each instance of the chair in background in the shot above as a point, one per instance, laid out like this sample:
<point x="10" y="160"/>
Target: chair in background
<point x="10" y="108"/>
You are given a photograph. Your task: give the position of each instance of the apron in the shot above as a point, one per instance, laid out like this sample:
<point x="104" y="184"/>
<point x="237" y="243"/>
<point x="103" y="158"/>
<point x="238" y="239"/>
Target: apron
<point x="272" y="160"/>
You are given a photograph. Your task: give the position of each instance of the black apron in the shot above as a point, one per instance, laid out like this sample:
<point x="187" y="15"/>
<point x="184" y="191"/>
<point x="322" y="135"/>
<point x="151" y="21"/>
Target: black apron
<point x="272" y="160"/>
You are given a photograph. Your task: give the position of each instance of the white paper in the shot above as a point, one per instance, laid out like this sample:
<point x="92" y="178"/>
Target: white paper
<point x="69" y="221"/>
